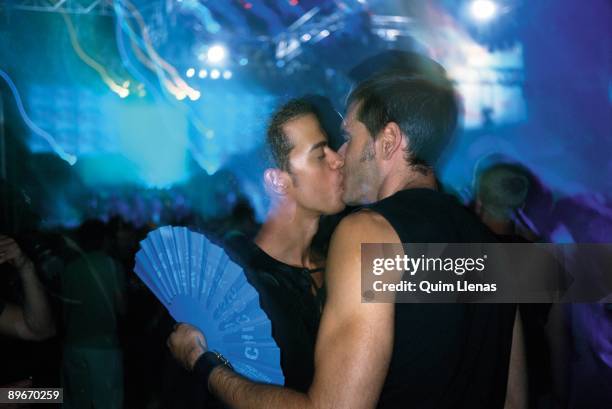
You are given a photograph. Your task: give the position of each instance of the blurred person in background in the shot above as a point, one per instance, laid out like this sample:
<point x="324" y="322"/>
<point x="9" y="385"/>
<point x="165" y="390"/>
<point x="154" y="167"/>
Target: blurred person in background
<point x="26" y="313"/>
<point x="33" y="320"/>
<point x="92" y="288"/>
<point x="501" y="188"/>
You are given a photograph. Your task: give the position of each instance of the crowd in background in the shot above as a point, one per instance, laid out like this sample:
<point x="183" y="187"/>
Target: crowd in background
<point x="105" y="334"/>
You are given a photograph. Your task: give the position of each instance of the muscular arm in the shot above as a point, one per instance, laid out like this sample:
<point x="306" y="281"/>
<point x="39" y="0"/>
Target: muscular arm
<point x="33" y="321"/>
<point x="354" y="343"/>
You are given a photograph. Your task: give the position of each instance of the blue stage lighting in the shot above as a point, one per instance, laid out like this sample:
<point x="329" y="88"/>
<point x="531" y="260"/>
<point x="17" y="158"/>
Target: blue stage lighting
<point x="215" y="74"/>
<point x="195" y="96"/>
<point x="483" y="10"/>
<point x="216" y="53"/>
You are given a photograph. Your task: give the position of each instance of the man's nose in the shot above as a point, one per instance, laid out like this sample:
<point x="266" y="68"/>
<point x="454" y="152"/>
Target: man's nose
<point x="336" y="160"/>
<point x="342" y="150"/>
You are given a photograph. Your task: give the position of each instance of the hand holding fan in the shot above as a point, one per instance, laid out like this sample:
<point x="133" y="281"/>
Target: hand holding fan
<point x="198" y="284"/>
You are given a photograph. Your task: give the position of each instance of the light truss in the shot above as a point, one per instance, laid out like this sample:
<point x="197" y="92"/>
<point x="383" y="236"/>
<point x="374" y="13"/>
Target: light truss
<point x="311" y="28"/>
<point x="98" y="7"/>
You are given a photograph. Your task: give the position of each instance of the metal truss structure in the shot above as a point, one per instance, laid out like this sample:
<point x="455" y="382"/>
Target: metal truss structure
<point x="311" y="28"/>
<point x="97" y="7"/>
<point x="389" y="28"/>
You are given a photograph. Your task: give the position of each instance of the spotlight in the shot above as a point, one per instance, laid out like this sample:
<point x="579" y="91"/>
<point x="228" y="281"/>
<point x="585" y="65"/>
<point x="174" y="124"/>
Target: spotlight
<point x="324" y="33"/>
<point x="227" y="74"/>
<point x="190" y="72"/>
<point x="243" y="61"/>
<point x="215" y="74"/>
<point x="216" y="53"/>
<point x="194" y="96"/>
<point x="203" y="74"/>
<point x="483" y="10"/>
<point x="306" y="37"/>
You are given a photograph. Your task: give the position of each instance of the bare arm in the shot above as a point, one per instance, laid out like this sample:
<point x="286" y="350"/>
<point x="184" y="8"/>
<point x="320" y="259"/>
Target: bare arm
<point x="516" y="390"/>
<point x="33" y="321"/>
<point x="354" y="343"/>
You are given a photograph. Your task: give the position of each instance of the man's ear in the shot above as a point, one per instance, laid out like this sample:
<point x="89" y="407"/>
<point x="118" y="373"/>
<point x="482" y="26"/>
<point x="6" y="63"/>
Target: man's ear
<point x="392" y="140"/>
<point x="276" y="180"/>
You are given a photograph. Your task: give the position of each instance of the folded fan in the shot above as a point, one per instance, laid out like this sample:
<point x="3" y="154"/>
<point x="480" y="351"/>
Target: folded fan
<point x="198" y="284"/>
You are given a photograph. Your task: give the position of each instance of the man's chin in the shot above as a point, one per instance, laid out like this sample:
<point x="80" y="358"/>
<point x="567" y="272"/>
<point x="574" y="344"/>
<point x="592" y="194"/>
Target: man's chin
<point x="356" y="201"/>
<point x="348" y="200"/>
<point x="335" y="210"/>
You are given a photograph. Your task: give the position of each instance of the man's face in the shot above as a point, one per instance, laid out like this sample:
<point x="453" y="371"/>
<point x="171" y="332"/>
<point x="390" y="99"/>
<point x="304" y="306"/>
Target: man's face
<point x="361" y="175"/>
<point x="315" y="169"/>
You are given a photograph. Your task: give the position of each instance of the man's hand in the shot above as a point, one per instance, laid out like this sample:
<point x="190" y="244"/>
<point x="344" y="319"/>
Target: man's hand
<point x="187" y="344"/>
<point x="11" y="252"/>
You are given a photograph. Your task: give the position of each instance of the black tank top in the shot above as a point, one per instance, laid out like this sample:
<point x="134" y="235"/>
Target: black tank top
<point x="444" y="355"/>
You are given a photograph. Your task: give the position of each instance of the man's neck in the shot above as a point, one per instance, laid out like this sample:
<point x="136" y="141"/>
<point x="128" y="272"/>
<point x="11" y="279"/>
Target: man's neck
<point x="406" y="179"/>
<point x="287" y="234"/>
<point x="499" y="226"/>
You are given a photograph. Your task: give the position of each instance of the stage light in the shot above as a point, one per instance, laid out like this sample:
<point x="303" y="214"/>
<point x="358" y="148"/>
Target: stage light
<point x="194" y="96"/>
<point x="227" y="74"/>
<point x="324" y="33"/>
<point x="190" y="72"/>
<point x="203" y="74"/>
<point x="306" y="37"/>
<point x="243" y="61"/>
<point x="71" y="159"/>
<point x="215" y="74"/>
<point x="483" y="10"/>
<point x="216" y="53"/>
<point x="123" y="92"/>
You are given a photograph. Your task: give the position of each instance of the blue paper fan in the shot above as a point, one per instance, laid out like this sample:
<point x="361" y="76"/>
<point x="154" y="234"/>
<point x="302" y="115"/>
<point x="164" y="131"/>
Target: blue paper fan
<point x="198" y="284"/>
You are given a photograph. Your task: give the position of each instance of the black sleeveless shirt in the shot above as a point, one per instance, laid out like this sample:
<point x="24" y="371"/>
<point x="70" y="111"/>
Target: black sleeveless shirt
<point x="285" y="295"/>
<point x="444" y="355"/>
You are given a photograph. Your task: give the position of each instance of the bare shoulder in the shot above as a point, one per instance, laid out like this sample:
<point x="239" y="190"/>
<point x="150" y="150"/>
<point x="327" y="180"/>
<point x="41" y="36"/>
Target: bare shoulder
<point x="365" y="226"/>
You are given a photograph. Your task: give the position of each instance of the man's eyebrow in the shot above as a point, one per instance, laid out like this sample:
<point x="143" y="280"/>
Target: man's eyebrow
<point x="317" y="146"/>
